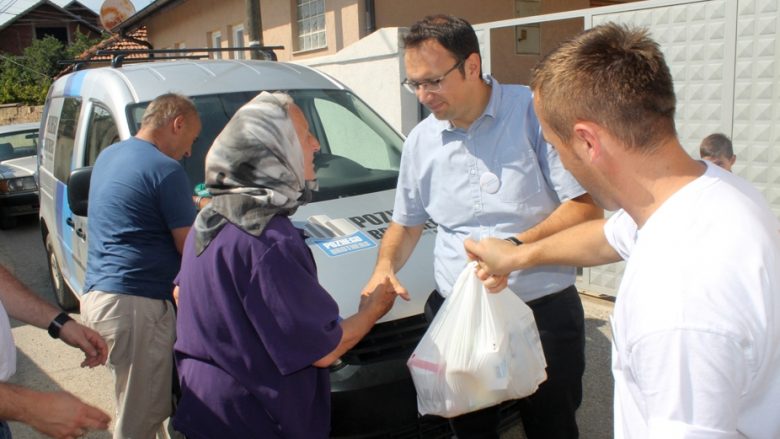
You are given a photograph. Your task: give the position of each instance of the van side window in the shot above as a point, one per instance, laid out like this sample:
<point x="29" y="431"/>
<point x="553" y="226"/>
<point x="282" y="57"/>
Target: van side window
<point x="66" y="137"/>
<point x="101" y="132"/>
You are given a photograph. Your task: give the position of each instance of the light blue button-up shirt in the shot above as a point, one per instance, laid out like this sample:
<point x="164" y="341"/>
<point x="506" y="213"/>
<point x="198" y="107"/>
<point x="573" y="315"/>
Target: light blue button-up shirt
<point x="496" y="179"/>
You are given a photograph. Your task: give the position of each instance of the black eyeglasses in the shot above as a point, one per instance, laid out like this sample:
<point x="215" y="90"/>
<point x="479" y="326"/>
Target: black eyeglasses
<point x="429" y="85"/>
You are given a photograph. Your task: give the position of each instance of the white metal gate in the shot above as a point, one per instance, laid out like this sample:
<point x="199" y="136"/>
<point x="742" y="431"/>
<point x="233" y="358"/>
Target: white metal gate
<point x="724" y="56"/>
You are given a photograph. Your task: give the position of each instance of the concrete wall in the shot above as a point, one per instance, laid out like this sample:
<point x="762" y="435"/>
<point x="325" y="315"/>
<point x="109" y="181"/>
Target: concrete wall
<point x="13" y="113"/>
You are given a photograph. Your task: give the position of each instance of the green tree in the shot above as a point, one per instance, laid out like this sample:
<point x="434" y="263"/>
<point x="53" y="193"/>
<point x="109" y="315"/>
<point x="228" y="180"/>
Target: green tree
<point x="80" y="43"/>
<point x="26" y="79"/>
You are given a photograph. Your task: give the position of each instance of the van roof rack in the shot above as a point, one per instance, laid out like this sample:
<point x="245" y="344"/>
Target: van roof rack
<point x="119" y="56"/>
<point x="78" y="64"/>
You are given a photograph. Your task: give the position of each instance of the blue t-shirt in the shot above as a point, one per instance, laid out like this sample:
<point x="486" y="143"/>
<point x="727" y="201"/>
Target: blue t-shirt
<point x="495" y="179"/>
<point x="137" y="195"/>
<point x="252" y="319"/>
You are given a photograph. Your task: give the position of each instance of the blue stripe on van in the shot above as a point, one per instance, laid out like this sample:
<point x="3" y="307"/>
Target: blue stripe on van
<point x="65" y="236"/>
<point x="74" y="83"/>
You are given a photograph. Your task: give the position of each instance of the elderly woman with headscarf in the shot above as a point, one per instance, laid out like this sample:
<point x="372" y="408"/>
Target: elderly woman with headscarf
<point x="256" y="331"/>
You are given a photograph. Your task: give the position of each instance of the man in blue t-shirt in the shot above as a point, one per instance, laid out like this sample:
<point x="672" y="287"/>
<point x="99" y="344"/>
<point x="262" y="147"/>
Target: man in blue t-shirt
<point x="140" y="211"/>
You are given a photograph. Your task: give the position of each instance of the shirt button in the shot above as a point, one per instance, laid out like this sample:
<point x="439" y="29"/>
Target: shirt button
<point x="473" y="171"/>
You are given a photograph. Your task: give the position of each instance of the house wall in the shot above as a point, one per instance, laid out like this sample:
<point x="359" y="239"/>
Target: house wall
<point x="15" y="38"/>
<point x="402" y="13"/>
<point x="278" y="19"/>
<point x="192" y="22"/>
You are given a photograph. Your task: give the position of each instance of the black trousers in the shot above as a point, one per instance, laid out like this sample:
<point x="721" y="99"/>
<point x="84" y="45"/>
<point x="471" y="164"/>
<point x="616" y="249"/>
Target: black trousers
<point x="550" y="412"/>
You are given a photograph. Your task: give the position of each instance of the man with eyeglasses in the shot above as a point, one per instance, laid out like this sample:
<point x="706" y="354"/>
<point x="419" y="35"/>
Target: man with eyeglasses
<point x="479" y="167"/>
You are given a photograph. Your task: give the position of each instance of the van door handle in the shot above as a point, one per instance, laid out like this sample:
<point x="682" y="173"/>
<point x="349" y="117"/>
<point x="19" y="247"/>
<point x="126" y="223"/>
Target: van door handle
<point x="79" y="232"/>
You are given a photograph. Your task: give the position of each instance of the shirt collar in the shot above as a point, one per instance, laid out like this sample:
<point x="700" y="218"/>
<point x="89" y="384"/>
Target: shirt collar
<point x="490" y="110"/>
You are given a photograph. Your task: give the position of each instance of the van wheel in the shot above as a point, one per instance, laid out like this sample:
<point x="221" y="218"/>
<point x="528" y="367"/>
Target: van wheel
<point x="62" y="293"/>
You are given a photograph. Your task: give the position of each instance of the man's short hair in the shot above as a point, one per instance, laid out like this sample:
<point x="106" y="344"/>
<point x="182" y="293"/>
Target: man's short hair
<point x="164" y="108"/>
<point x="716" y="145"/>
<point x="613" y="75"/>
<point x="453" y="33"/>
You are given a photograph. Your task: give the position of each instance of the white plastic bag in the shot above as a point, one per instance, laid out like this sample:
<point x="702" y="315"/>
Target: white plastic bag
<point x="480" y="350"/>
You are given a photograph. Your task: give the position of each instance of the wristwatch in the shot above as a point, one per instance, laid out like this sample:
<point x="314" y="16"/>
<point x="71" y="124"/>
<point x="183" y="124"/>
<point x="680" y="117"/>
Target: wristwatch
<point x="513" y="240"/>
<point x="57" y="324"/>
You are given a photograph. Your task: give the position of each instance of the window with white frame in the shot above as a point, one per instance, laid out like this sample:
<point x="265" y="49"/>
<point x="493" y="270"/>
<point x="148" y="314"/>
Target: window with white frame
<point x="311" y="24"/>
<point x="216" y="43"/>
<point x="238" y="40"/>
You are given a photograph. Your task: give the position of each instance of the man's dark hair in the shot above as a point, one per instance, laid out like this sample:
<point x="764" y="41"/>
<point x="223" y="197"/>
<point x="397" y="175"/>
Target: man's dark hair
<point x="716" y="145"/>
<point x="453" y="33"/>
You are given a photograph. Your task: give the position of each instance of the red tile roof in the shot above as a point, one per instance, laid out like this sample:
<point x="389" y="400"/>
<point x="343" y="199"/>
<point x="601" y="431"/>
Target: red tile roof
<point x="134" y="40"/>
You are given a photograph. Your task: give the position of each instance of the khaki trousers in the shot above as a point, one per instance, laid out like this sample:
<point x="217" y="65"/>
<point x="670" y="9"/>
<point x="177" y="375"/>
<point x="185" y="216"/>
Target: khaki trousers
<point x="140" y="333"/>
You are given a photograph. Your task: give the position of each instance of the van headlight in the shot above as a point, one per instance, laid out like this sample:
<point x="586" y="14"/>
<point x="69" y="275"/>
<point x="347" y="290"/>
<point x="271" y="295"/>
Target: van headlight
<point x="18" y="184"/>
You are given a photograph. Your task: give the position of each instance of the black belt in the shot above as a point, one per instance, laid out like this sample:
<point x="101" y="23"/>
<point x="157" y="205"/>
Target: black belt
<point x="550" y="297"/>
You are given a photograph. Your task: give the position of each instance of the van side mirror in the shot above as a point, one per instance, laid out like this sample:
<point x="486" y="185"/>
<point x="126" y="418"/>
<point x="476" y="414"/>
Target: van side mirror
<point x="78" y="190"/>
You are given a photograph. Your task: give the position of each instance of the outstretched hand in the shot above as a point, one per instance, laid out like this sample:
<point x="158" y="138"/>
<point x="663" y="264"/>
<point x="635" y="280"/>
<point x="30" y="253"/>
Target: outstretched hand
<point x="90" y="342"/>
<point x="64" y="416"/>
<point x="379" y="300"/>
<point x="390" y="282"/>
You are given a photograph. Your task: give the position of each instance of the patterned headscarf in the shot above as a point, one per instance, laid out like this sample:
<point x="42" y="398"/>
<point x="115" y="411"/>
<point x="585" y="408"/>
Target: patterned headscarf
<point x="254" y="170"/>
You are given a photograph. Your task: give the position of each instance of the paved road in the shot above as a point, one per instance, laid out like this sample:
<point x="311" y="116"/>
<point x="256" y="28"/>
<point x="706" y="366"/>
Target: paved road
<point x="47" y="364"/>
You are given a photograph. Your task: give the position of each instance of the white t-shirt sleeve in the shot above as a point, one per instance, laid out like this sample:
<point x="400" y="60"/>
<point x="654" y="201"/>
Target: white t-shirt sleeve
<point x="621" y="232"/>
<point x="7" y="347"/>
<point x="688" y="383"/>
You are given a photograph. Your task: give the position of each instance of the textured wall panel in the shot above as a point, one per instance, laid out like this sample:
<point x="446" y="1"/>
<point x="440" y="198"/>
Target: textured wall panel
<point x="757" y="96"/>
<point x="695" y="39"/>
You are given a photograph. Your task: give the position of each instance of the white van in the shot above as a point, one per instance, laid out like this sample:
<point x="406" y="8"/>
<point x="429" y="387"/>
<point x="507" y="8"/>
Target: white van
<point x="357" y="169"/>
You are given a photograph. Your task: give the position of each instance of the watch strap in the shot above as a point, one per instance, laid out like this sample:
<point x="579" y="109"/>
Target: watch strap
<point x="56" y="325"/>
<point x="513" y="240"/>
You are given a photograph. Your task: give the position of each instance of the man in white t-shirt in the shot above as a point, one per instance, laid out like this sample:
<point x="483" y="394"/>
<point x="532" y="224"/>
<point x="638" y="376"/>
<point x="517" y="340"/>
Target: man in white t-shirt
<point x="55" y="414"/>
<point x="696" y="327"/>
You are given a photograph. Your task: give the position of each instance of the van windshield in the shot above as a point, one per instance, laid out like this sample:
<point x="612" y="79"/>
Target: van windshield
<point x="359" y="153"/>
